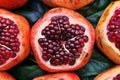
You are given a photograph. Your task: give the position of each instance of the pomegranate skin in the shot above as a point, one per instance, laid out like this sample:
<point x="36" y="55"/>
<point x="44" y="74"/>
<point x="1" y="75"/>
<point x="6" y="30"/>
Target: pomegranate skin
<point x="74" y="5"/>
<point x="6" y="76"/>
<point x="102" y="41"/>
<point x="12" y="4"/>
<point x="36" y="31"/>
<point x="109" y="74"/>
<point x="24" y="32"/>
<point x="59" y="76"/>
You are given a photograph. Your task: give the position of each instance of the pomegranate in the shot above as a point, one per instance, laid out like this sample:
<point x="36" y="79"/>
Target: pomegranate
<point x="6" y="76"/>
<point x="110" y="74"/>
<point x="108" y="32"/>
<point x="12" y="4"/>
<point x="14" y="39"/>
<point x="59" y="76"/>
<point x="62" y="40"/>
<point x="70" y="4"/>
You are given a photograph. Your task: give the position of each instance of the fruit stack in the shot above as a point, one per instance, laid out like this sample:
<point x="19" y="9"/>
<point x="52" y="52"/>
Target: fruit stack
<point x="62" y="42"/>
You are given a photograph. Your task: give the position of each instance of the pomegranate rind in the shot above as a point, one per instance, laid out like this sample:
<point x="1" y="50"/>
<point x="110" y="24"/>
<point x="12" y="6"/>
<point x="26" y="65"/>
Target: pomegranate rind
<point x="74" y="5"/>
<point x="75" y="18"/>
<point x="108" y="74"/>
<point x="12" y="4"/>
<point x="6" y="76"/>
<point x="57" y="76"/>
<point x="102" y="41"/>
<point x="24" y="32"/>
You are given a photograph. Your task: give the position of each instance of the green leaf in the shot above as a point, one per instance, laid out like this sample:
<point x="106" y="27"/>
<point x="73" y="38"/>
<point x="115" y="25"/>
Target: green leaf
<point x="88" y="78"/>
<point x="33" y="10"/>
<point x="94" y="18"/>
<point x="94" y="7"/>
<point x="93" y="11"/>
<point x="26" y="72"/>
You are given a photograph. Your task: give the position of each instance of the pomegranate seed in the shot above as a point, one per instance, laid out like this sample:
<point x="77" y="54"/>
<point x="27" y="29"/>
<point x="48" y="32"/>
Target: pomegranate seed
<point x="117" y="77"/>
<point x="113" y="29"/>
<point x="58" y="32"/>
<point x="9" y="44"/>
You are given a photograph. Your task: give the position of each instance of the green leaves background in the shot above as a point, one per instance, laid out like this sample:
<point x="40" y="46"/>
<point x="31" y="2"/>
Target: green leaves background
<point x="33" y="10"/>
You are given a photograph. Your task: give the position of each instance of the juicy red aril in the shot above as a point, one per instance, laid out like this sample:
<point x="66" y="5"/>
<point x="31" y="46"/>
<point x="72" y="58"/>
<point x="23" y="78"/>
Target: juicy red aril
<point x="117" y="77"/>
<point x="74" y="45"/>
<point x="63" y="42"/>
<point x="113" y="29"/>
<point x="62" y="57"/>
<point x="9" y="44"/>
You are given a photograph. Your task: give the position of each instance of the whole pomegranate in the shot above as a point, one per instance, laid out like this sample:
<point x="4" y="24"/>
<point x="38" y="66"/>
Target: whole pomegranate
<point x="14" y="39"/>
<point x="108" y="32"/>
<point x="62" y="40"/>
<point x="6" y="76"/>
<point x="110" y="74"/>
<point x="12" y="4"/>
<point x="70" y="4"/>
<point x="59" y="76"/>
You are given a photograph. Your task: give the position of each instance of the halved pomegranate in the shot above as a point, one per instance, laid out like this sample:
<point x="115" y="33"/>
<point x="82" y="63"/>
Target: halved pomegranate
<point x="70" y="4"/>
<point x="6" y="76"/>
<point x="62" y="40"/>
<point x="59" y="76"/>
<point x="14" y="39"/>
<point x="110" y="74"/>
<point x="12" y="4"/>
<point x="108" y="32"/>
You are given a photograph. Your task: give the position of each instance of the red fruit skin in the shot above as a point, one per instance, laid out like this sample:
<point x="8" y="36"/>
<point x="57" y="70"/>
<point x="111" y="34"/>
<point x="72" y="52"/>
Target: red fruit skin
<point x="24" y="29"/>
<point x="74" y="4"/>
<point x="59" y="76"/>
<point x="6" y="76"/>
<point x="12" y="4"/>
<point x="35" y="45"/>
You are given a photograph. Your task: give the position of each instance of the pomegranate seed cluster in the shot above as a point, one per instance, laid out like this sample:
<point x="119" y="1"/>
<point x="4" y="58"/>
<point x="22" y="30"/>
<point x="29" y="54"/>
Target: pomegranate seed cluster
<point x="62" y="57"/>
<point x="76" y="45"/>
<point x="113" y="29"/>
<point x="63" y="41"/>
<point x="9" y="43"/>
<point x="117" y="77"/>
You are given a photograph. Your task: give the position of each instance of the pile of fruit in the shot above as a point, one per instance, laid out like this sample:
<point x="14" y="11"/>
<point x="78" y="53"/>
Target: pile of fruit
<point x="59" y="40"/>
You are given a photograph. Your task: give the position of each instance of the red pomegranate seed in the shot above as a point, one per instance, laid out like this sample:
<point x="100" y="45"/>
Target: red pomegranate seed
<point x="60" y="30"/>
<point x="113" y="29"/>
<point x="9" y="44"/>
<point x="117" y="77"/>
